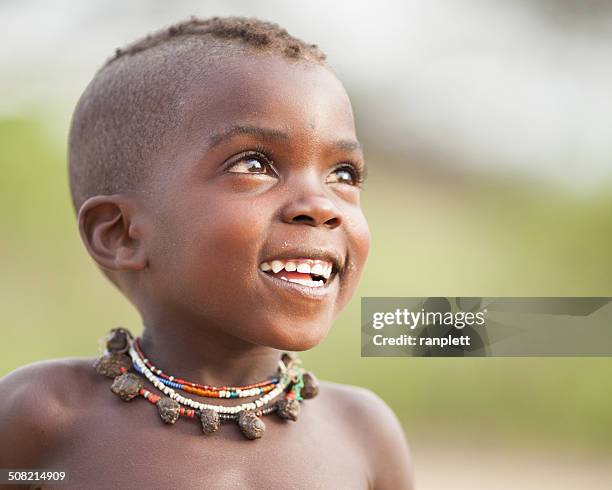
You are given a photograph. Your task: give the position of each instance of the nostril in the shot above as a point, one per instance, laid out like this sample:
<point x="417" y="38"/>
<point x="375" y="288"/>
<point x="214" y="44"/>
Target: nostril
<point x="309" y="220"/>
<point x="302" y="218"/>
<point x="332" y="223"/>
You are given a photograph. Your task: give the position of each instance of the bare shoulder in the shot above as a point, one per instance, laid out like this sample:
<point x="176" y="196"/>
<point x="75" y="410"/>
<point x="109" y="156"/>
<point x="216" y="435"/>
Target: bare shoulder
<point x="379" y="430"/>
<point x="36" y="401"/>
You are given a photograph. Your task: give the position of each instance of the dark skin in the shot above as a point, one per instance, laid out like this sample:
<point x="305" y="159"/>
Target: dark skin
<point x="265" y="166"/>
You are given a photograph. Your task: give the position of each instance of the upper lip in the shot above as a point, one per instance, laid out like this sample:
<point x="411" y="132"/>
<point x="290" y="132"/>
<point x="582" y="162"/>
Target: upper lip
<point x="329" y="255"/>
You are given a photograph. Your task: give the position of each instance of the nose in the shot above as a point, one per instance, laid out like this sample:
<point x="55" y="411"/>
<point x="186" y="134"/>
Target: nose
<point x="312" y="210"/>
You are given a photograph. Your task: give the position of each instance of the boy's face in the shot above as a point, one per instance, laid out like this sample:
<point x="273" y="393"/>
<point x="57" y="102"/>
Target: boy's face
<point x="261" y="170"/>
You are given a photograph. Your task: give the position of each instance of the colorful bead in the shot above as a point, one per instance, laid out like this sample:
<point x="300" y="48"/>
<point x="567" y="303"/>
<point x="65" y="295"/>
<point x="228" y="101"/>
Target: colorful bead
<point x="142" y="368"/>
<point x="206" y="390"/>
<point x="291" y="379"/>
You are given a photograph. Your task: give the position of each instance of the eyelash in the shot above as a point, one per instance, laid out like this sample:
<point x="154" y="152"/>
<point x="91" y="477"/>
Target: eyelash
<point x="267" y="153"/>
<point x="359" y="173"/>
<point x="260" y="153"/>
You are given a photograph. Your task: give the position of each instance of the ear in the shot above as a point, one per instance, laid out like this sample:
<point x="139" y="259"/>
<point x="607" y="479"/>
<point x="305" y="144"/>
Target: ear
<point x="109" y="233"/>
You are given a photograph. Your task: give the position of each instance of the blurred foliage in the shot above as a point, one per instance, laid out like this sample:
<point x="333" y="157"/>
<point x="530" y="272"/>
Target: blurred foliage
<point x="434" y="234"/>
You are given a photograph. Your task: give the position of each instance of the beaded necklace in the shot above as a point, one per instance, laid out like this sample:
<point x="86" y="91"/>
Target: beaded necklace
<point x="281" y="393"/>
<point x="206" y="390"/>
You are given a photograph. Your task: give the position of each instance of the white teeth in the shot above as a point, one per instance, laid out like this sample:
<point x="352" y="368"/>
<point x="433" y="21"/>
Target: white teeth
<point x="326" y="271"/>
<point x="317" y="269"/>
<point x="303" y="268"/>
<point x="277" y="265"/>
<point x="306" y="282"/>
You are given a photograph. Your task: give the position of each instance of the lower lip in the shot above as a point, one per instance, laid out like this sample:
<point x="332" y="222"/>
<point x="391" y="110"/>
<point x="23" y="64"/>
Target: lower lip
<point x="319" y="292"/>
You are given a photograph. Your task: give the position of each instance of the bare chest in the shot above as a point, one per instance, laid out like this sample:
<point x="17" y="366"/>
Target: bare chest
<point x="125" y="445"/>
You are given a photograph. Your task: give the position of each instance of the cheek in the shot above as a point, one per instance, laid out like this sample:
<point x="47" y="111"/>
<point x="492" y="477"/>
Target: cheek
<point x="212" y="254"/>
<point x="358" y="239"/>
<point x="361" y="238"/>
<point x="225" y="248"/>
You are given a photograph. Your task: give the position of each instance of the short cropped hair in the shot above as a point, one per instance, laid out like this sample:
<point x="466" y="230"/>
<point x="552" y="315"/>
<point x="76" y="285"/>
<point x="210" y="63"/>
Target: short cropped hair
<point x="134" y="99"/>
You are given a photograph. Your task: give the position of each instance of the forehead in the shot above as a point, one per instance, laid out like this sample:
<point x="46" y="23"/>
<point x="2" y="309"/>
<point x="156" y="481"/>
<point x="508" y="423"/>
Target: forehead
<point x="296" y="97"/>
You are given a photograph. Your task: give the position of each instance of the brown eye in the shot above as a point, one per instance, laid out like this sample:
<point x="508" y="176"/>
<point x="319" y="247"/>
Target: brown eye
<point x="251" y="165"/>
<point x="342" y="175"/>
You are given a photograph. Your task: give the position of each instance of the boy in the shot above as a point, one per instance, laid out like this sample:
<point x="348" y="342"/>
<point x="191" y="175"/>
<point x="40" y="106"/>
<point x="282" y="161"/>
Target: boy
<point x="204" y="159"/>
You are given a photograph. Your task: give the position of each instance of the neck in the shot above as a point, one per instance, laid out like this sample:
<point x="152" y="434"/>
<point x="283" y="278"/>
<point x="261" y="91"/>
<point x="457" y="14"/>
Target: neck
<point x="207" y="356"/>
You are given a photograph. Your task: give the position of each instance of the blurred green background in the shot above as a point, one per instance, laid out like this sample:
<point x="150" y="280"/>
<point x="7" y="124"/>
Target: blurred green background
<point x="431" y="236"/>
<point x="439" y="227"/>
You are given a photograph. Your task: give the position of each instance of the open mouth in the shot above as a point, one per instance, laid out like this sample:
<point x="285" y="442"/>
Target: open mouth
<point x="307" y="272"/>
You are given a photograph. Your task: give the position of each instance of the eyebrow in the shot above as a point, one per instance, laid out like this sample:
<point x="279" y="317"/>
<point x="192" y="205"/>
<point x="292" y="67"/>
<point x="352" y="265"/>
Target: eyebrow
<point x="265" y="133"/>
<point x="271" y="134"/>
<point x="347" y="145"/>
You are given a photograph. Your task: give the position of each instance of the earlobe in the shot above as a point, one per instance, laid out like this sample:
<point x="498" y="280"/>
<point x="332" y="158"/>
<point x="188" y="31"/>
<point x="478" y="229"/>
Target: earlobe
<point x="109" y="234"/>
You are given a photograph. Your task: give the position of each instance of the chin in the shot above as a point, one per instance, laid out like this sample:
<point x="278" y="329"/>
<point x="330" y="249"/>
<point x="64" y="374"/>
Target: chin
<point x="300" y="337"/>
<point x="303" y="344"/>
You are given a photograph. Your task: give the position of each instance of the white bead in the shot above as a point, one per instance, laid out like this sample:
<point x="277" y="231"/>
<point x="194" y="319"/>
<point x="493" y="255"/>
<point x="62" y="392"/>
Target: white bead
<point x="263" y="400"/>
